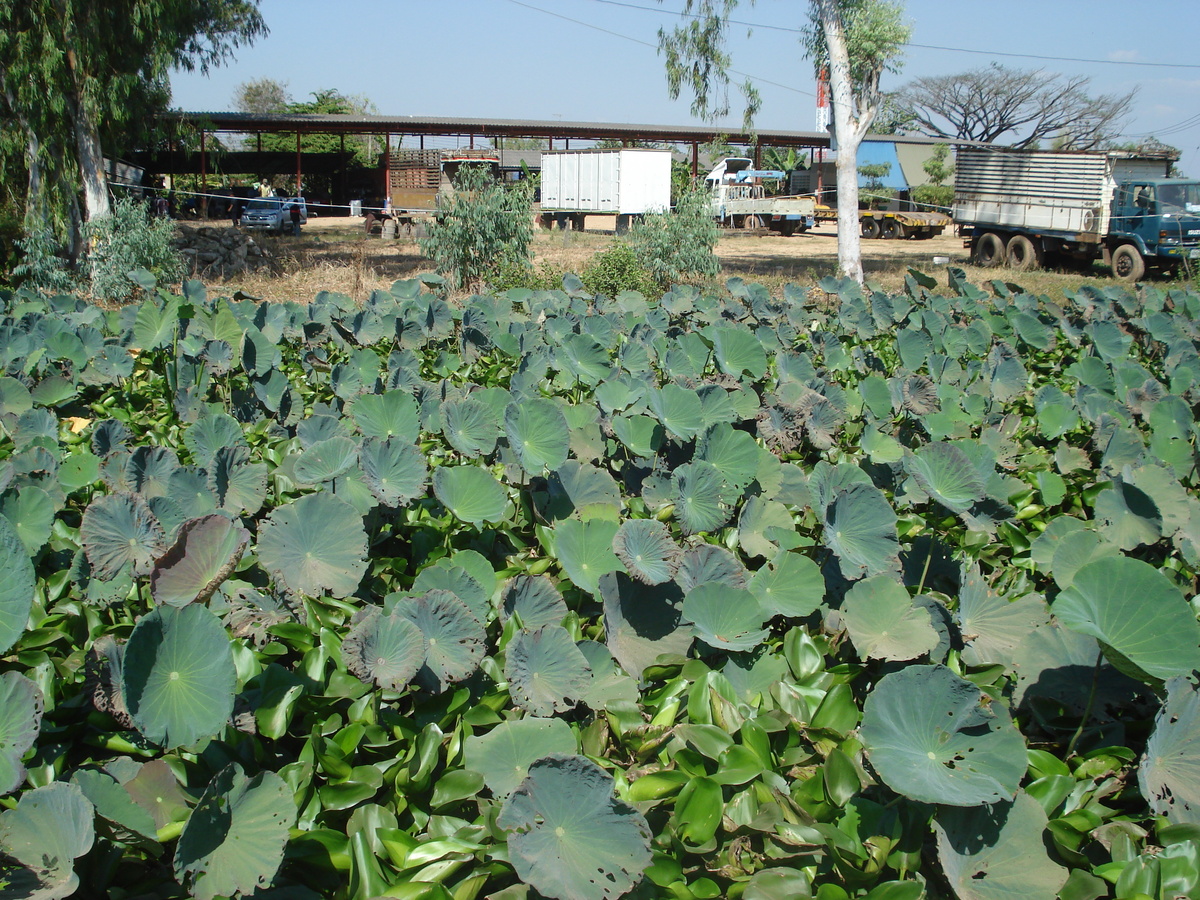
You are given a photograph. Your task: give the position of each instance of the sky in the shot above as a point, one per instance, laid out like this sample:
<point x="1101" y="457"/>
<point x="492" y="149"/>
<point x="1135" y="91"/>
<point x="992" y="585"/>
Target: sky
<point x="597" y="60"/>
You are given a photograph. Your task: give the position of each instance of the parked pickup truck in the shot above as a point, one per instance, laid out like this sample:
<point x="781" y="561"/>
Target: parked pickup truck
<point x="1024" y="208"/>
<point x="273" y="213"/>
<point x="740" y="200"/>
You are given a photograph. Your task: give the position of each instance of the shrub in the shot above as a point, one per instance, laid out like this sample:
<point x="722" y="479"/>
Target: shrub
<point x="125" y="240"/>
<point x="672" y="245"/>
<point x="618" y="269"/>
<point x="938" y="197"/>
<point x="41" y="267"/>
<point x="485" y="227"/>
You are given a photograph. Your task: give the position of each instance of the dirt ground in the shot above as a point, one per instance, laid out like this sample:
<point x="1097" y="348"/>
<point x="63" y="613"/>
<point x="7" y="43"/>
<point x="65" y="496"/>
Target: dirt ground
<point x="336" y="254"/>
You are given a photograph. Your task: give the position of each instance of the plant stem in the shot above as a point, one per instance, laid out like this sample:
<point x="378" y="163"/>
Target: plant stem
<point x="1087" y="710"/>
<point x="925" y="571"/>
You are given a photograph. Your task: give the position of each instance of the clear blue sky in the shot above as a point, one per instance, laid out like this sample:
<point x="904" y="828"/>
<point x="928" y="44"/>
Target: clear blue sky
<point x="596" y="61"/>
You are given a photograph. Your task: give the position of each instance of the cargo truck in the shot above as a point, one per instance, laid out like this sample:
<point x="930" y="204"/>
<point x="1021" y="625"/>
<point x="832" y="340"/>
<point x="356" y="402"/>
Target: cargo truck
<point x="740" y="199"/>
<point x="1026" y="208"/>
<point x="891" y="224"/>
<point x="624" y="182"/>
<point x="416" y="179"/>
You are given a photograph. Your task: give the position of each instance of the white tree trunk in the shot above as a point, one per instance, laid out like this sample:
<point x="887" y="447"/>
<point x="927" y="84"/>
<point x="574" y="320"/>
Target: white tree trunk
<point x="91" y="167"/>
<point x="849" y="128"/>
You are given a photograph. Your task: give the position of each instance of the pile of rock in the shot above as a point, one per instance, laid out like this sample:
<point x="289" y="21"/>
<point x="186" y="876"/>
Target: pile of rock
<point x="219" y="252"/>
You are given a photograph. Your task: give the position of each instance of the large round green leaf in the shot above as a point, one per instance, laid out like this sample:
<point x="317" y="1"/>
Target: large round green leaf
<point x="233" y="841"/>
<point x="454" y="639"/>
<point x="445" y="576"/>
<point x="703" y="563"/>
<point x="315" y="545"/>
<point x="392" y="414"/>
<point x="792" y="585"/>
<point x="700" y="501"/>
<point x="860" y="529"/>
<point x="17" y="587"/>
<point x="326" y="460"/>
<point x="993" y="627"/>
<point x="737" y="352"/>
<point x="945" y="473"/>
<point x="384" y="650"/>
<point x="30" y="511"/>
<point x="394" y="470"/>
<point x="647" y="550"/>
<point x="585" y="551"/>
<point x="471" y="493"/>
<point x="114" y="804"/>
<point x="119" y="530"/>
<point x="1169" y="775"/>
<point x="733" y="452"/>
<point x="179" y="675"/>
<point x="470" y="426"/>
<point x="534" y="600"/>
<point x="238" y="484"/>
<point x="931" y="737"/>
<point x="725" y="618"/>
<point x="546" y="672"/>
<point x="884" y="623"/>
<point x="1134" y="611"/>
<point x="204" y="554"/>
<point x="678" y="409"/>
<point x="997" y="852"/>
<point x="642" y="621"/>
<point x="537" y="432"/>
<point x="503" y="755"/>
<point x="21" y="706"/>
<point x="49" y="828"/>
<point x="569" y="837"/>
<point x="205" y="437"/>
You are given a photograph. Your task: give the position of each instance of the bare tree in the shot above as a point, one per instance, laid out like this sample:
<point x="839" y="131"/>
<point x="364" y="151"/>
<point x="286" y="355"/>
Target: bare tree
<point x="1021" y="108"/>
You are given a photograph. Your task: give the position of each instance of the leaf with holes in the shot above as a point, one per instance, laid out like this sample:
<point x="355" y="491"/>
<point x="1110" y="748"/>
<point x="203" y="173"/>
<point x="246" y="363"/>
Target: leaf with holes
<point x="204" y="554"/>
<point x="932" y="737"/>
<point x="234" y="840"/>
<point x="1169" y="774"/>
<point x="119" y="530"/>
<point x="569" y="837"/>
<point x="545" y="671"/>
<point x="455" y="641"/>
<point x="178" y="676"/>
<point x="48" y="829"/>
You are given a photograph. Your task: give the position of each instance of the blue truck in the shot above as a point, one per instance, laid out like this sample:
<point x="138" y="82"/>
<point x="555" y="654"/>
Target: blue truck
<point x="1030" y="208"/>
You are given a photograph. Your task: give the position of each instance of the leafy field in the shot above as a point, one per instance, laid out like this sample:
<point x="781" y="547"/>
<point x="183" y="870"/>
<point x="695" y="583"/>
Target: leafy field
<point x="556" y="595"/>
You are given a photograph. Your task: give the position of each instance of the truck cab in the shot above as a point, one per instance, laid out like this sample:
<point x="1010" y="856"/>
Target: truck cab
<point x="1161" y="217"/>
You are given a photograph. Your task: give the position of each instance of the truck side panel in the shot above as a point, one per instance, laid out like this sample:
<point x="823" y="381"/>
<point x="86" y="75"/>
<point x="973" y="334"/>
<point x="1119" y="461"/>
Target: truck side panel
<point x="645" y="184"/>
<point x="628" y="181"/>
<point x="551" y="181"/>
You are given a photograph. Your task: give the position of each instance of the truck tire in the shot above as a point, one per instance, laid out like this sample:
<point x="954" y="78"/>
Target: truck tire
<point x="1127" y="263"/>
<point x="870" y="228"/>
<point x="1022" y="254"/>
<point x="788" y="227"/>
<point x="752" y="222"/>
<point x="890" y="230"/>
<point x="988" y="252"/>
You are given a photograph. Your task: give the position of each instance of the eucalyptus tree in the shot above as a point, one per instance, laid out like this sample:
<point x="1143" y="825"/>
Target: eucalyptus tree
<point x="855" y="40"/>
<point x="77" y="75"/>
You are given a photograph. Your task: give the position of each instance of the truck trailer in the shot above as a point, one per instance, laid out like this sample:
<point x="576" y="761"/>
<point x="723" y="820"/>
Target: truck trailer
<point x="740" y="200"/>
<point x="1026" y="208"/>
<point x="418" y="178"/>
<point x="623" y="182"/>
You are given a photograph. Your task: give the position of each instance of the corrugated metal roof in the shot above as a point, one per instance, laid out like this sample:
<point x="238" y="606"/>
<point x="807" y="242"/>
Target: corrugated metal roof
<point x="444" y="125"/>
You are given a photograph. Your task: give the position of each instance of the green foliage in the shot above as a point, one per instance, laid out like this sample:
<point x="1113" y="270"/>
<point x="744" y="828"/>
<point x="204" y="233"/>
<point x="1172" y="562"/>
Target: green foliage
<point x="677" y="244"/>
<point x="939" y="198"/>
<point x="706" y="594"/>
<point x="483" y="228"/>
<point x="42" y="266"/>
<point x="618" y="269"/>
<point x="936" y="166"/>
<point x="126" y="240"/>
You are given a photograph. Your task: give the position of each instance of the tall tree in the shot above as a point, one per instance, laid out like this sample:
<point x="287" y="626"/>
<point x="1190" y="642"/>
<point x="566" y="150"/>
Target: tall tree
<point x="1019" y="107"/>
<point x="857" y="40"/>
<point x="78" y="74"/>
<point x="261" y="96"/>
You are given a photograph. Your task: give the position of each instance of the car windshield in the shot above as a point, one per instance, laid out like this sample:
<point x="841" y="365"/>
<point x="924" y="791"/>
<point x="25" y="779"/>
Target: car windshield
<point x="1178" y="198"/>
<point x="263" y="204"/>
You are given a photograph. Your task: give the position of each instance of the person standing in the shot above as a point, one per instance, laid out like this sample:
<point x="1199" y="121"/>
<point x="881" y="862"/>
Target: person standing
<point x="294" y="211"/>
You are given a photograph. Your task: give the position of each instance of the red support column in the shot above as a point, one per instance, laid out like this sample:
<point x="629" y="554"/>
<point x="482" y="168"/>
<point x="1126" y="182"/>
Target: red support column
<point x="203" y="178"/>
<point x="299" y="189"/>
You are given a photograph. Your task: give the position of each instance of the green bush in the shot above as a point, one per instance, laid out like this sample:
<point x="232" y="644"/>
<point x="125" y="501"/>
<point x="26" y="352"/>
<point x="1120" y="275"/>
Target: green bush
<point x="512" y="274"/>
<point x="41" y="267"/>
<point x="618" y="269"/>
<point x="938" y="197"/>
<point x="674" y="245"/>
<point x="485" y="227"/>
<point x="125" y="240"/>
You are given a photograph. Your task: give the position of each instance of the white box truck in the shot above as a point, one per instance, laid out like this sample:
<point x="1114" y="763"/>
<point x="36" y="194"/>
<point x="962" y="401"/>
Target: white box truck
<point x="621" y="182"/>
<point x="1024" y="208"/>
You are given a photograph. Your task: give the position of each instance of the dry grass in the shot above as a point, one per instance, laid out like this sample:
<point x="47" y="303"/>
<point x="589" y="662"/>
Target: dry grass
<point x="336" y="255"/>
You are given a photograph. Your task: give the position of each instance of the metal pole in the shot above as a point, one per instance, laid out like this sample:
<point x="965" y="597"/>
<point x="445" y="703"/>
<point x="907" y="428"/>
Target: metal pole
<point x="203" y="179"/>
<point x="387" y="165"/>
<point x="695" y="159"/>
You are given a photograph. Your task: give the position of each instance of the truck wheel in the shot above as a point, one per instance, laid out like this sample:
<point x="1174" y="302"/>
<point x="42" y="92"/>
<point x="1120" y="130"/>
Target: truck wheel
<point x="1022" y="253"/>
<point x="752" y="222"/>
<point x="788" y="227"/>
<point x="870" y="229"/>
<point x="988" y="252"/>
<point x="890" y="230"/>
<point x="1127" y="263"/>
